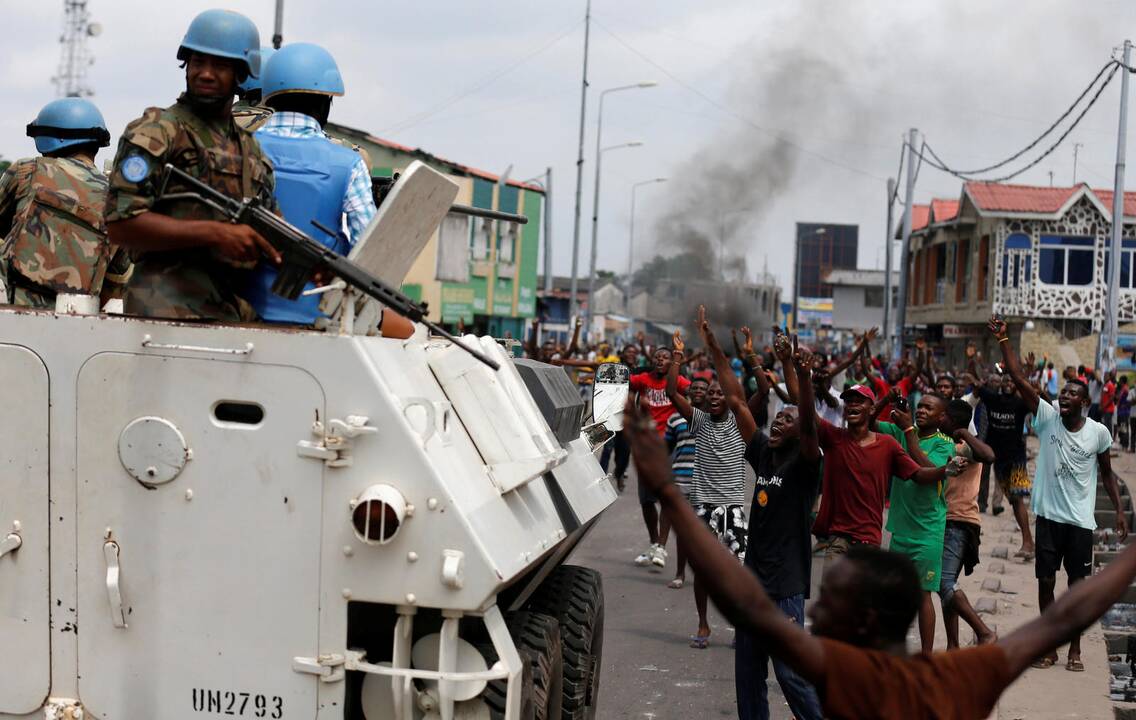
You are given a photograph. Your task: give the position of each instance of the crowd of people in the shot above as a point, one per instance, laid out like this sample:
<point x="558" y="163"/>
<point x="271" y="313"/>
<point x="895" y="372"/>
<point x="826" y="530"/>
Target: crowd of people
<point x="842" y="448"/>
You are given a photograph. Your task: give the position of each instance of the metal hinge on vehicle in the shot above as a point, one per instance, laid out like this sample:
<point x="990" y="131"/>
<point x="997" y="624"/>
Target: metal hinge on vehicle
<point x="328" y="668"/>
<point x="335" y="441"/>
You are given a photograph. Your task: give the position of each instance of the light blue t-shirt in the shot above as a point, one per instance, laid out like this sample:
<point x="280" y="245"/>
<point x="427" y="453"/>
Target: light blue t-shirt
<point x="1065" y="485"/>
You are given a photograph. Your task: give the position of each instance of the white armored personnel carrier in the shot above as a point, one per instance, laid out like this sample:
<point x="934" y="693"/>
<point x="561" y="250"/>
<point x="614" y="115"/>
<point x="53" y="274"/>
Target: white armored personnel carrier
<point x="265" y="522"/>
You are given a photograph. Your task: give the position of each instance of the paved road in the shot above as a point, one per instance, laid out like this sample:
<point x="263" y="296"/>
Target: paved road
<point x="648" y="669"/>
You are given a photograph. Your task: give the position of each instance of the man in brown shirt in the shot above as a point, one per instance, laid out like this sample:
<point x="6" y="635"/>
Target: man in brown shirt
<point x="857" y="659"/>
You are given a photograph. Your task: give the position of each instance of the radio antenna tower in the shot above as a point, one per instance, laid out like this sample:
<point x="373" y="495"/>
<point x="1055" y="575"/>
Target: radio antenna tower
<point x="75" y="58"/>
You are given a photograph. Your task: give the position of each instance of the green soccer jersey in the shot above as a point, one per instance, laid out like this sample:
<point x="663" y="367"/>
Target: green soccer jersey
<point x="919" y="512"/>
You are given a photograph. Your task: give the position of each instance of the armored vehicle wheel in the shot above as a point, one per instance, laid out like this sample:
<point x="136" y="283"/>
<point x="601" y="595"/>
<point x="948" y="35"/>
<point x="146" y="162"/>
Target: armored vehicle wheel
<point x="537" y="638"/>
<point x="574" y="596"/>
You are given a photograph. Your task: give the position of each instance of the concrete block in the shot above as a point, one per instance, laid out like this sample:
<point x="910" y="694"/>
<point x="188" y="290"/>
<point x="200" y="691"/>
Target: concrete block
<point x="1001" y="552"/>
<point x="986" y="606"/>
<point x="996" y="568"/>
<point x="992" y="585"/>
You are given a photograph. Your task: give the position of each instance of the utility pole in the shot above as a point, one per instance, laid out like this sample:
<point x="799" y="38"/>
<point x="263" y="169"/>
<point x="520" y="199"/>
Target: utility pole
<point x="1106" y="347"/>
<point x="1076" y="147"/>
<point x="548" y="230"/>
<point x="278" y="31"/>
<point x="887" y="265"/>
<point x="573" y="305"/>
<point x="905" y="251"/>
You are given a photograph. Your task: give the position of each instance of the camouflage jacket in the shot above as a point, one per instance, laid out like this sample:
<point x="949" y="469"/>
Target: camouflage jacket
<point x="193" y="283"/>
<point x="51" y="217"/>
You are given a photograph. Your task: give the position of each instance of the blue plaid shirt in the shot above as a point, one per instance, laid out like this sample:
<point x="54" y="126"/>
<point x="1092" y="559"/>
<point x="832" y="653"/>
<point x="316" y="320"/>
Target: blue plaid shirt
<point x="358" y="203"/>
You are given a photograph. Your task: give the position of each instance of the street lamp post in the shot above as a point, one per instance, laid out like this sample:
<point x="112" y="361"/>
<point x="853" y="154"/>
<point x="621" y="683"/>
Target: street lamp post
<point x="600" y="149"/>
<point x="631" y="246"/>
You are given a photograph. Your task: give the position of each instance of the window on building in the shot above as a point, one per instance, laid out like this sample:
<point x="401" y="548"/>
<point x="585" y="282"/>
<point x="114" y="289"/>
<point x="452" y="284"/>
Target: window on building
<point x="1017" y="261"/>
<point x="983" y="264"/>
<point x="913" y="278"/>
<point x="453" y="248"/>
<point x="874" y="297"/>
<point x="1127" y="250"/>
<point x="962" y="270"/>
<point x="479" y="240"/>
<point x="506" y="242"/>
<point x="1066" y="260"/>
<point x="930" y="270"/>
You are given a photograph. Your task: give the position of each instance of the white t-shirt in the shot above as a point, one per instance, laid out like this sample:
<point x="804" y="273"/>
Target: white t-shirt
<point x="833" y="416"/>
<point x="1065" y="485"/>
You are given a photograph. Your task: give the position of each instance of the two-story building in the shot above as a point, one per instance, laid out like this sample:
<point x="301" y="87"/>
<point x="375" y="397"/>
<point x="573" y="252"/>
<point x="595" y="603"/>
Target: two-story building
<point x="1031" y="254"/>
<point x="477" y="272"/>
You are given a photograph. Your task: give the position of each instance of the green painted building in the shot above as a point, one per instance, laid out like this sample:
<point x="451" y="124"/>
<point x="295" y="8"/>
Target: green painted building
<point x="477" y="272"/>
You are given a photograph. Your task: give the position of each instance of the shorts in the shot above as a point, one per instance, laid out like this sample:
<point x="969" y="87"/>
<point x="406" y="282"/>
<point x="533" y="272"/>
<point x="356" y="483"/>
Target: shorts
<point x="955" y="547"/>
<point x="1014" y="478"/>
<point x="928" y="559"/>
<point x="728" y="523"/>
<point x="1057" y="542"/>
<point x="837" y="547"/>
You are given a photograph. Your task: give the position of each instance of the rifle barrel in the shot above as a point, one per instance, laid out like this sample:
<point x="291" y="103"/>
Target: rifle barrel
<point x="489" y="214"/>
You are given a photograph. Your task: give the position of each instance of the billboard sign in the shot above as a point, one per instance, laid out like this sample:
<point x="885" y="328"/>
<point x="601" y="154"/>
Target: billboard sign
<point x="814" y="312"/>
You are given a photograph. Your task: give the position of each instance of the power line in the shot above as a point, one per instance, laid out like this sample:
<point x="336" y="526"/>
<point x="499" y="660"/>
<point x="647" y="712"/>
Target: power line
<point x="413" y="120"/>
<point x="937" y="162"/>
<point x="729" y="111"/>
<point x="1068" y="111"/>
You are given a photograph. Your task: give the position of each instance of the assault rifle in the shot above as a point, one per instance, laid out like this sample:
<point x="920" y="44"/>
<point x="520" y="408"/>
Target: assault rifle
<point x="302" y="257"/>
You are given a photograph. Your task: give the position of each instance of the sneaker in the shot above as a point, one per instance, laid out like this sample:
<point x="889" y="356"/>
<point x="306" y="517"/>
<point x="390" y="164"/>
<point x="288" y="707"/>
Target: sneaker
<point x="644" y="558"/>
<point x="658" y="556"/>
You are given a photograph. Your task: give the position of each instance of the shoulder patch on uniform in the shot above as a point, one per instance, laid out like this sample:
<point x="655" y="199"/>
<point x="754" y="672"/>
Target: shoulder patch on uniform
<point x="135" y="168"/>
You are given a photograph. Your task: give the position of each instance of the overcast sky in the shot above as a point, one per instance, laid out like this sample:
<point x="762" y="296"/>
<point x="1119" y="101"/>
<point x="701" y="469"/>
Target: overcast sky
<point x="810" y="99"/>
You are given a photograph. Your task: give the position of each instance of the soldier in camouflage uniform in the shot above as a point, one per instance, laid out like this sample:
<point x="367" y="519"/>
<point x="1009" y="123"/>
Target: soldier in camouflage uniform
<point x="51" y="213"/>
<point x="187" y="258"/>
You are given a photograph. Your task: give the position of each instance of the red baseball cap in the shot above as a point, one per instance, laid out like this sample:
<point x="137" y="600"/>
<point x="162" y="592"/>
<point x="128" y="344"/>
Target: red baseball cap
<point x="862" y="390"/>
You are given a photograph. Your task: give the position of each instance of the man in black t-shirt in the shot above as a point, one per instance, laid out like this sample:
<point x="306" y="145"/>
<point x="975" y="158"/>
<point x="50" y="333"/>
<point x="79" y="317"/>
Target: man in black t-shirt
<point x="779" y="551"/>
<point x="1006" y="413"/>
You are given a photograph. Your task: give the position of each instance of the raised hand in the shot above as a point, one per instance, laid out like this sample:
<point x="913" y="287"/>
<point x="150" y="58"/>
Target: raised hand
<point x="870" y="335"/>
<point x="901" y="418"/>
<point x="747" y="347"/>
<point x="676" y="340"/>
<point x="703" y="324"/>
<point x="802" y="357"/>
<point x="997" y="327"/>
<point x="783" y="349"/>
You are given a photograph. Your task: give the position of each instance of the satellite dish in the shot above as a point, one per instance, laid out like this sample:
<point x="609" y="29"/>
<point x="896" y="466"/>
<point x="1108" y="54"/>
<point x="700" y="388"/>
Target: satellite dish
<point x="94" y="30"/>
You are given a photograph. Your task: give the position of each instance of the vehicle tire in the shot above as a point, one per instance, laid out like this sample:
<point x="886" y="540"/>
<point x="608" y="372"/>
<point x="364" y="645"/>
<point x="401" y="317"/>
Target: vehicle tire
<point x="574" y="596"/>
<point x="537" y="638"/>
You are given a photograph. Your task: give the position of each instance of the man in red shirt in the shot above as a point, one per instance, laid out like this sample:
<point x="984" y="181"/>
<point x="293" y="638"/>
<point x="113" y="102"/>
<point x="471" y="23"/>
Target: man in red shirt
<point x="856" y="655"/>
<point x="652" y="389"/>
<point x="857" y="466"/>
<point x="1108" y="401"/>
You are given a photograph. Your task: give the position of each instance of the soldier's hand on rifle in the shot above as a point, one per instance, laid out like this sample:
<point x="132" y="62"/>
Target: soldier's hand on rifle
<point x="240" y="243"/>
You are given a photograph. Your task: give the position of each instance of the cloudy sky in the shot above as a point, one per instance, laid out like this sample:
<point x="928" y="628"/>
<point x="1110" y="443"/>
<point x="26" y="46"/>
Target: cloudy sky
<point x="765" y="114"/>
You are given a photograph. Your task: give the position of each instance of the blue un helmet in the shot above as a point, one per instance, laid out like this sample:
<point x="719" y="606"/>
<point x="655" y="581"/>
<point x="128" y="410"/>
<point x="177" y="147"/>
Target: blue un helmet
<point x="227" y="34"/>
<point x="252" y="84"/>
<point x="302" y="68"/>
<point x="68" y="122"/>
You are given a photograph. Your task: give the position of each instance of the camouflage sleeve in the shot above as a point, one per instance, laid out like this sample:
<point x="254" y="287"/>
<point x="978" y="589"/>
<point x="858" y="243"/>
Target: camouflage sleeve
<point x="142" y="152"/>
<point x="7" y="199"/>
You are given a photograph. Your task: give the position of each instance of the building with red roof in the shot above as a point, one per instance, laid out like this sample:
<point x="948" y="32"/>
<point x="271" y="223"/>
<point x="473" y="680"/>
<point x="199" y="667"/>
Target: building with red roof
<point x="1026" y="252"/>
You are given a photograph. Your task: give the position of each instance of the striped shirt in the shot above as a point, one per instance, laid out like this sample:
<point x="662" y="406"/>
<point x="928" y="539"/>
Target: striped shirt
<point x="679" y="437"/>
<point x="719" y="468"/>
<point x="358" y="203"/>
